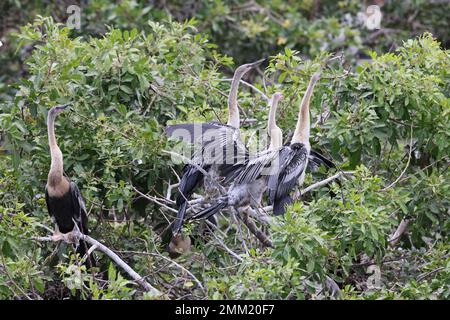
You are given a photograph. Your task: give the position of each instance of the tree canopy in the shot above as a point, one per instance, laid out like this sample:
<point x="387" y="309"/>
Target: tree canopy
<point x="381" y="111"/>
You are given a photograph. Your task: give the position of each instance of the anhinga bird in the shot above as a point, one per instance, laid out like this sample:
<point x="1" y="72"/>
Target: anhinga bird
<point x="248" y="190"/>
<point x="220" y="149"/>
<point x="65" y="203"/>
<point x="293" y="159"/>
<point x="280" y="169"/>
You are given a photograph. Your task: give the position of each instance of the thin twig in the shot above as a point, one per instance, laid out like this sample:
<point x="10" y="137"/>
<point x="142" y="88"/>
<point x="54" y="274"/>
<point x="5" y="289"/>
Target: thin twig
<point x="261" y="215"/>
<point x="169" y="190"/>
<point x="172" y="262"/>
<point x="407" y="163"/>
<point x="76" y="236"/>
<point x="154" y="199"/>
<point x="235" y="255"/>
<point x="325" y="181"/>
<point x="427" y="274"/>
<point x="12" y="280"/>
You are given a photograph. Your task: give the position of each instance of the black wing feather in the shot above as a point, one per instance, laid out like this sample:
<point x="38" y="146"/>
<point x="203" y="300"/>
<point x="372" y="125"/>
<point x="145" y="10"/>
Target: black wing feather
<point x="291" y="175"/>
<point x="79" y="208"/>
<point x="285" y="156"/>
<point x="80" y="217"/>
<point x="317" y="159"/>
<point x="190" y="179"/>
<point x="254" y="168"/>
<point x="215" y="139"/>
<point x="280" y="184"/>
<point x="47" y="201"/>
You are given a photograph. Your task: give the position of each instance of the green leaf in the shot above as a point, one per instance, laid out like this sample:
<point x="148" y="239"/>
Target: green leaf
<point x="111" y="272"/>
<point x="310" y="266"/>
<point x="126" y="89"/>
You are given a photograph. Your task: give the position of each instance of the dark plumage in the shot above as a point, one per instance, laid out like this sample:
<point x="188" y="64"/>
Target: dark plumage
<point x="225" y="138"/>
<point x="280" y="169"/>
<point x="292" y="164"/>
<point x="316" y="159"/>
<point x="68" y="209"/>
<point x="191" y="179"/>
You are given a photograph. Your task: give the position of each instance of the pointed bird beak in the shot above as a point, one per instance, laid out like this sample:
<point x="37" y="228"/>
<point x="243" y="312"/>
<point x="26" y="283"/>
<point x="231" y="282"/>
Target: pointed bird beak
<point x="63" y="106"/>
<point x="256" y="63"/>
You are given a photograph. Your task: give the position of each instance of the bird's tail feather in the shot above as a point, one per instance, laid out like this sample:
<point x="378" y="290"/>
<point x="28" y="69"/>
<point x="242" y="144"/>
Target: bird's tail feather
<point x="319" y="159"/>
<point x="178" y="223"/>
<point x="210" y="211"/>
<point x="279" y="207"/>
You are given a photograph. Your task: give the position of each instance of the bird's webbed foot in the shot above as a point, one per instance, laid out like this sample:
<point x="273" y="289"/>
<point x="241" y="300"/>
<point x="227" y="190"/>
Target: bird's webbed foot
<point x="68" y="237"/>
<point x="57" y="236"/>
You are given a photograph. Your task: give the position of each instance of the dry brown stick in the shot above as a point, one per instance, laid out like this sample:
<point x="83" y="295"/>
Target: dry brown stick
<point x="75" y="236"/>
<point x="255" y="230"/>
<point x="427" y="274"/>
<point x="159" y="255"/>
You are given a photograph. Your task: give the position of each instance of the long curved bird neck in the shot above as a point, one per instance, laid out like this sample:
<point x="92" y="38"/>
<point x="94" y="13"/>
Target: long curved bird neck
<point x="275" y="133"/>
<point x="55" y="175"/>
<point x="302" y="130"/>
<point x="233" y="111"/>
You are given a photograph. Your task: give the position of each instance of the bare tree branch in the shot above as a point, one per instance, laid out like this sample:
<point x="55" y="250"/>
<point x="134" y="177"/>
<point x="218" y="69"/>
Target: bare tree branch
<point x="170" y="187"/>
<point x="159" y="255"/>
<point x="235" y="255"/>
<point x="325" y="181"/>
<point x="154" y="199"/>
<point x="255" y="230"/>
<point x="75" y="236"/>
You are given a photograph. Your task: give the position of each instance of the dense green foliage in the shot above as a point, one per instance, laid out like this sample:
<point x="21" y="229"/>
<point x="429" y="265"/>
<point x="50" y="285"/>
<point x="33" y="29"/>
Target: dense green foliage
<point x="132" y="69"/>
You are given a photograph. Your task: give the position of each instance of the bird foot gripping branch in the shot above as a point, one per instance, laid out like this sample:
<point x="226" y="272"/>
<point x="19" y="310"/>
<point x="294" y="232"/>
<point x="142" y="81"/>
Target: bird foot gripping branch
<point x="70" y="237"/>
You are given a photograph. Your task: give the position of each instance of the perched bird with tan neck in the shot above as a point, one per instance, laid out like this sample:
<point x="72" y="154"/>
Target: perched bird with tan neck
<point x="293" y="159"/>
<point x="65" y="203"/>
